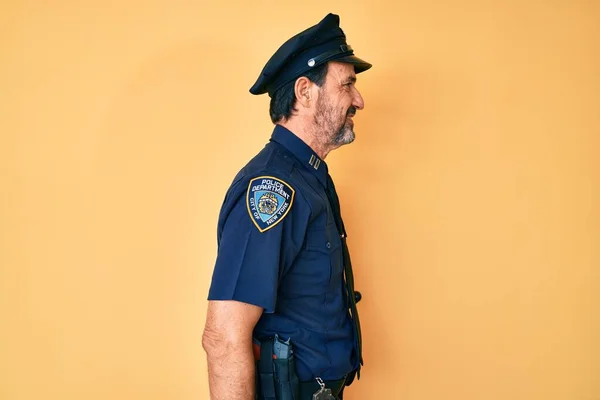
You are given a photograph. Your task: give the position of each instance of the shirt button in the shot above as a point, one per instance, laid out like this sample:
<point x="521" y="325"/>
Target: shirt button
<point x="328" y="245"/>
<point x="357" y="296"/>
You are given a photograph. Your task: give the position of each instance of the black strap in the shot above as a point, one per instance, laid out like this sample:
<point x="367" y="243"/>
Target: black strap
<point x="349" y="275"/>
<point x="265" y="369"/>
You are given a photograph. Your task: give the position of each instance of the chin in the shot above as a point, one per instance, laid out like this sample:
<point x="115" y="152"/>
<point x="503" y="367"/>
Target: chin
<point x="347" y="136"/>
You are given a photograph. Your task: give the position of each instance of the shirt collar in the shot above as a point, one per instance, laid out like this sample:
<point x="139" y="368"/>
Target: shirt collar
<point x="301" y="151"/>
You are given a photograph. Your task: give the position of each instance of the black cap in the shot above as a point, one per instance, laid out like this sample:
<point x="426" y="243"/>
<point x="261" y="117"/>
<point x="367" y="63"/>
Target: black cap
<point x="308" y="49"/>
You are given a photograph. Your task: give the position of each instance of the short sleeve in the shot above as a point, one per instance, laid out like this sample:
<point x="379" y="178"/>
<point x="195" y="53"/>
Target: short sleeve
<point x="261" y="230"/>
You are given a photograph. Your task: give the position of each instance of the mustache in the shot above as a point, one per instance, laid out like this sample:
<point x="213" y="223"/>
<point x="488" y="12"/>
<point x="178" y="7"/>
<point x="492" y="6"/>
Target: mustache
<point x="351" y="111"/>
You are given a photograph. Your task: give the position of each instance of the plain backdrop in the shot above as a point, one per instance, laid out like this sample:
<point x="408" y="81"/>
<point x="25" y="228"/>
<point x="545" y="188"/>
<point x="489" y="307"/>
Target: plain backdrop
<point x="471" y="195"/>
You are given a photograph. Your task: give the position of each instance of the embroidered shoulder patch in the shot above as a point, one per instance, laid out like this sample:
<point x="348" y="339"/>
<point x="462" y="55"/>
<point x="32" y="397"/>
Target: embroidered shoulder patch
<point x="269" y="199"/>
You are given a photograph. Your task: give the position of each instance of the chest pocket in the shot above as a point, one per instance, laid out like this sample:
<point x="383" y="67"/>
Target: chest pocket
<point x="318" y="267"/>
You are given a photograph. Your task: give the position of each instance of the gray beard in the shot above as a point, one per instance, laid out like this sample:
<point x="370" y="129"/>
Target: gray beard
<point x="345" y="135"/>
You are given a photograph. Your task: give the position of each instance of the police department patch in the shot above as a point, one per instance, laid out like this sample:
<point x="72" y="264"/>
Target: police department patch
<point x="268" y="199"/>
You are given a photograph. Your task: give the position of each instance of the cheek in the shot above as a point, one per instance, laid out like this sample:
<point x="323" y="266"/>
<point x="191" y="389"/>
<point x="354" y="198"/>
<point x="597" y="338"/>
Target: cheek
<point x="347" y="102"/>
<point x="342" y="106"/>
<point x="345" y="108"/>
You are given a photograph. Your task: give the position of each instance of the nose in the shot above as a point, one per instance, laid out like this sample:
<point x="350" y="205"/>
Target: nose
<point x="358" y="101"/>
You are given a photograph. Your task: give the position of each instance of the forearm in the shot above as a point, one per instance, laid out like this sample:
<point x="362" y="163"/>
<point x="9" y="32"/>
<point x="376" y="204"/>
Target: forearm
<point x="231" y="372"/>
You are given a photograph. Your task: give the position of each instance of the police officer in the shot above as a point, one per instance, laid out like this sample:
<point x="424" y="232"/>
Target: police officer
<point x="283" y="269"/>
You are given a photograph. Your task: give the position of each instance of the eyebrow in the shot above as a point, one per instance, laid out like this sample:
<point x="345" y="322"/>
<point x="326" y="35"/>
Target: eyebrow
<point x="350" y="79"/>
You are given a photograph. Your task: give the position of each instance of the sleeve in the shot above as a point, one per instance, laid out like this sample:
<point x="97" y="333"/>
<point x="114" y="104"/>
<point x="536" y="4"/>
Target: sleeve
<point x="261" y="232"/>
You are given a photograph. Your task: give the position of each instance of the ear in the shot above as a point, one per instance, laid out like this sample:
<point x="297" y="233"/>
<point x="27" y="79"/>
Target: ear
<point x="302" y="90"/>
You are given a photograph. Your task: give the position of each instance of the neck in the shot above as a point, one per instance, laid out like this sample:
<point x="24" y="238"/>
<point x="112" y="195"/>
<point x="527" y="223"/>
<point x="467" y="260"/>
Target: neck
<point x="308" y="133"/>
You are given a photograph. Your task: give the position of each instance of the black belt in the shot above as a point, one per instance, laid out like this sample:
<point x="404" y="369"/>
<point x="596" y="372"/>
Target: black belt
<point x="308" y="388"/>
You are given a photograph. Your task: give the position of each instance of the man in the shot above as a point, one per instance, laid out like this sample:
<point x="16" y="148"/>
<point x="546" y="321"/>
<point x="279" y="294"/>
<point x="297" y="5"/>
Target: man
<point x="283" y="275"/>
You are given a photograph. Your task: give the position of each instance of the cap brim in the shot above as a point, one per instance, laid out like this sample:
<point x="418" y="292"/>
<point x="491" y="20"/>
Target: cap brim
<point x="359" y="64"/>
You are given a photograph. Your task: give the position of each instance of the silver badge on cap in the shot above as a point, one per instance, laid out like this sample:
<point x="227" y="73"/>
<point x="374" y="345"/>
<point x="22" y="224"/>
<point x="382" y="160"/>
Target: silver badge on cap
<point x="311" y="62"/>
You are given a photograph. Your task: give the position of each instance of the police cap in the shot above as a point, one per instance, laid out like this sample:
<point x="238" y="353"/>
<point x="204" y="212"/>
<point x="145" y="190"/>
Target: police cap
<point x="308" y="49"/>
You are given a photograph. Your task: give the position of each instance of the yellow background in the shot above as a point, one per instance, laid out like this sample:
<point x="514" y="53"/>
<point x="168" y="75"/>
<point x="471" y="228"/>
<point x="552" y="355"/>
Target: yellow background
<point x="471" y="194"/>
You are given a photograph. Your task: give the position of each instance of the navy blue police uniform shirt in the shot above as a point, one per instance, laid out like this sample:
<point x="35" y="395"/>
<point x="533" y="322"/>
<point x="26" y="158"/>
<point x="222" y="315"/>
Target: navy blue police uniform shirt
<point x="279" y="248"/>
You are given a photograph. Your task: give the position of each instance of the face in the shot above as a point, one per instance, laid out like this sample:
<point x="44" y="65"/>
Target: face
<point x="338" y="101"/>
